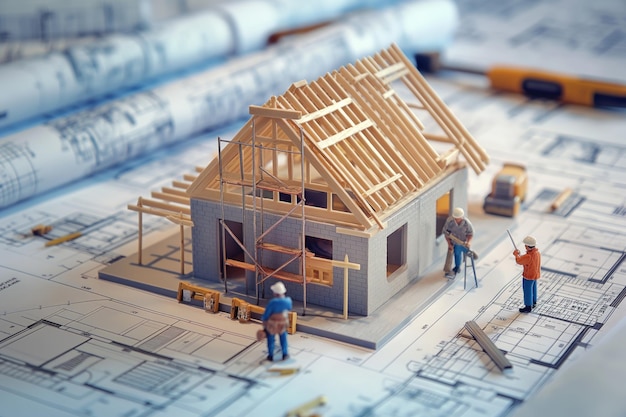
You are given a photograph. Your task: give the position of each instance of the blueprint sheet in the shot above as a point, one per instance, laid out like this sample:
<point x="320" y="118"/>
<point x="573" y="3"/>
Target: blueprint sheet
<point x="72" y="345"/>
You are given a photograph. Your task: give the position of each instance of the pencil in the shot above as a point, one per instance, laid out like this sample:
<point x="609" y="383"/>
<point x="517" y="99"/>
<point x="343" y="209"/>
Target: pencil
<point x="560" y="199"/>
<point x="284" y="371"/>
<point x="62" y="239"/>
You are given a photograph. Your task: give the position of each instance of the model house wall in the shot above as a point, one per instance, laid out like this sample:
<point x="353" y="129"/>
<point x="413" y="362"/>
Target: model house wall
<point x="370" y="287"/>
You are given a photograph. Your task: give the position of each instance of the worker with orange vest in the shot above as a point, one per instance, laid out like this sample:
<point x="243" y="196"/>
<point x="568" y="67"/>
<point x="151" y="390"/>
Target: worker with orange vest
<point x="531" y="262"/>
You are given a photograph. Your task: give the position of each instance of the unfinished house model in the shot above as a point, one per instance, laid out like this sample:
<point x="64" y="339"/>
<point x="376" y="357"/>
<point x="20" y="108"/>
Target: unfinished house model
<point x="336" y="179"/>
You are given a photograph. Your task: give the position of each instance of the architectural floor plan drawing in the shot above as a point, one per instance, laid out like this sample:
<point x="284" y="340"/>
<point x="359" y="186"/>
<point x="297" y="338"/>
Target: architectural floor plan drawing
<point x="586" y="37"/>
<point x="118" y="360"/>
<point x="74" y="345"/>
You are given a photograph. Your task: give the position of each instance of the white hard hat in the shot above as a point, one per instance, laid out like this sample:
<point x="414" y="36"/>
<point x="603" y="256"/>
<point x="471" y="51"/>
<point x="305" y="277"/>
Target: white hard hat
<point x="278" y="288"/>
<point x="530" y="241"/>
<point x="458" y="212"/>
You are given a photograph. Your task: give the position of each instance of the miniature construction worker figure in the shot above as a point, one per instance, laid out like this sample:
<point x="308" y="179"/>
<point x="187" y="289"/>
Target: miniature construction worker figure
<point x="276" y="320"/>
<point x="458" y="232"/>
<point x="531" y="262"/>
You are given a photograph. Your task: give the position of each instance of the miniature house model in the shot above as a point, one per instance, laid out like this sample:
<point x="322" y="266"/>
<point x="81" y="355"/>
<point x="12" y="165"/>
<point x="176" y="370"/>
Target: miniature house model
<point x="336" y="179"/>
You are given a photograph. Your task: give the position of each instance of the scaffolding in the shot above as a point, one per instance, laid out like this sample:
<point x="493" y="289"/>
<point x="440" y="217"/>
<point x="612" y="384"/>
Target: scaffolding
<point x="257" y="183"/>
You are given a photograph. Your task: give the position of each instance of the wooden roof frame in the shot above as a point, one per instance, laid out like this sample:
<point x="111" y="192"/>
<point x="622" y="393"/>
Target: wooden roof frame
<point x="365" y="142"/>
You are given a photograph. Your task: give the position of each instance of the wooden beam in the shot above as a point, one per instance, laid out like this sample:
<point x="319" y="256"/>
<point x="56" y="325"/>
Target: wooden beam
<point x="326" y="110"/>
<point x="338" y="137"/>
<point x="148" y="210"/>
<point x="274" y="113"/>
<point x="488" y="346"/>
<point x="273" y="141"/>
<point x="392" y="72"/>
<point x="174" y="191"/>
<point x="383" y="184"/>
<point x="165" y="206"/>
<point x="475" y="155"/>
<point x="181" y="184"/>
<point x="211" y="172"/>
<point x="170" y="197"/>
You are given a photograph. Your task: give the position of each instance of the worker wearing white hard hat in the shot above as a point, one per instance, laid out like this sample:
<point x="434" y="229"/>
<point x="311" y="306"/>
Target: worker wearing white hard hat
<point x="275" y="320"/>
<point x="278" y="288"/>
<point x="530" y="241"/>
<point x="458" y="231"/>
<point x="531" y="262"/>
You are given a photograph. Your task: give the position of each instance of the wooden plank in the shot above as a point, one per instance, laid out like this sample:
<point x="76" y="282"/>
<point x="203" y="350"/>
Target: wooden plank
<point x="284" y="249"/>
<point x="148" y="210"/>
<point x="338" y="137"/>
<point x="274" y="113"/>
<point x="397" y="153"/>
<point x="399" y="122"/>
<point x="416" y="147"/>
<point x="320" y="128"/>
<point x="361" y="153"/>
<point x="179" y="220"/>
<point x="438" y="138"/>
<point x="473" y="152"/>
<point x="237" y="305"/>
<point x="346" y="154"/>
<point x="391" y="71"/>
<point x="394" y="76"/>
<point x="297" y="84"/>
<point x="339" y="190"/>
<point x="211" y="172"/>
<point x="389" y="93"/>
<point x="270" y="185"/>
<point x="310" y="128"/>
<point x="170" y="197"/>
<point x="488" y="346"/>
<point x="273" y="141"/>
<point x="415" y="106"/>
<point x="211" y="298"/>
<point x="181" y="184"/>
<point x="326" y="110"/>
<point x="282" y="275"/>
<point x="376" y="62"/>
<point x="449" y="157"/>
<point x="165" y="206"/>
<point x="174" y="191"/>
<point x="383" y="184"/>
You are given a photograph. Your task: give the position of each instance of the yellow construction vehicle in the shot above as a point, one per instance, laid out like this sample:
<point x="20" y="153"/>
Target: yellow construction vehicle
<point x="508" y="190"/>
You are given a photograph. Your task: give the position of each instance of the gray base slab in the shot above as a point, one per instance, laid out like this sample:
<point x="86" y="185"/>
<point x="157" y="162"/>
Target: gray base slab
<point x="160" y="273"/>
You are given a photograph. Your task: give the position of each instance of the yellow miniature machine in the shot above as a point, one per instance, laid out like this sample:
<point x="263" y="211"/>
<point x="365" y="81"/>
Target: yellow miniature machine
<point x="508" y="190"/>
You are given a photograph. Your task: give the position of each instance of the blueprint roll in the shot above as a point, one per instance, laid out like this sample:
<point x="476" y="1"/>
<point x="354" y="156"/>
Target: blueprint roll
<point x="55" y="19"/>
<point x="41" y="85"/>
<point x="43" y="157"/>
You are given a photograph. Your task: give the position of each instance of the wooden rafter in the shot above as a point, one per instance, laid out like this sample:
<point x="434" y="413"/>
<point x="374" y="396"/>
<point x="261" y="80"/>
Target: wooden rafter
<point x="367" y="144"/>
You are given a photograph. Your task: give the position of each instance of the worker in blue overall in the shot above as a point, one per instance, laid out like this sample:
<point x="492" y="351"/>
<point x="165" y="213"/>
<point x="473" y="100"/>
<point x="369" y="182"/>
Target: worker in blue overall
<point x="276" y="320"/>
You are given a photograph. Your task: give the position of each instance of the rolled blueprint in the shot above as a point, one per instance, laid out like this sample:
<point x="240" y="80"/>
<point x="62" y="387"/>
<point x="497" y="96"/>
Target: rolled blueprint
<point x="69" y="148"/>
<point x="54" y="19"/>
<point x="41" y="85"/>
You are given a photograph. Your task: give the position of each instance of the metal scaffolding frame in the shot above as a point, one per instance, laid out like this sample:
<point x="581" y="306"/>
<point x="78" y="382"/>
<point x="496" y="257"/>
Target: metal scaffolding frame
<point x="255" y="181"/>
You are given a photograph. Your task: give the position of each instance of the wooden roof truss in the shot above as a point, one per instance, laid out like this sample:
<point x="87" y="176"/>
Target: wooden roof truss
<point x="363" y="142"/>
